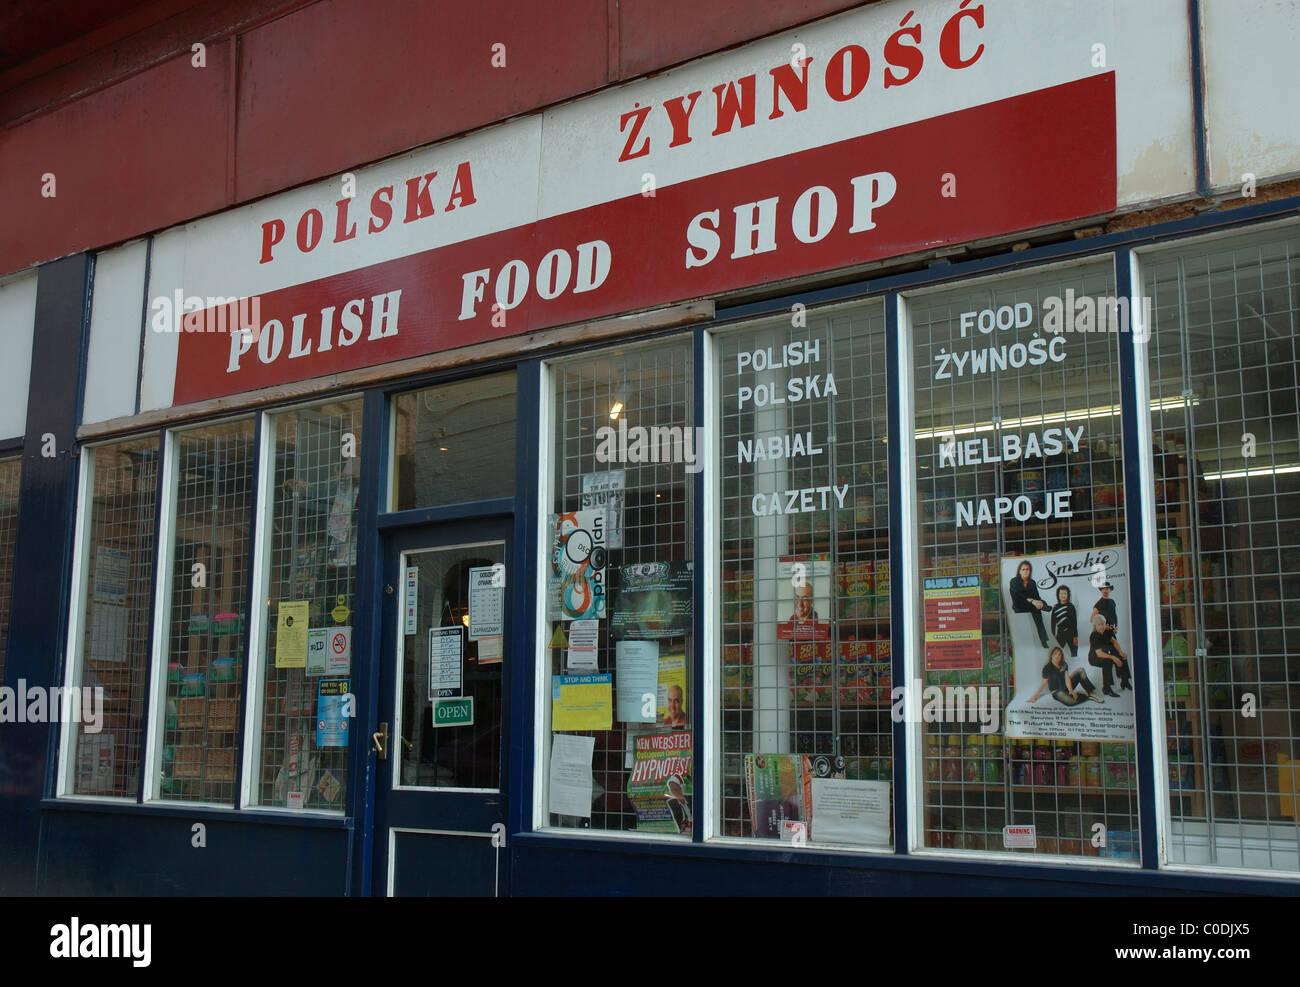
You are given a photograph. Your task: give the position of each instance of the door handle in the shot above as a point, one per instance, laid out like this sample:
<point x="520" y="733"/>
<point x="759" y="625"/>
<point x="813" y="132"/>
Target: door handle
<point x="380" y="740"/>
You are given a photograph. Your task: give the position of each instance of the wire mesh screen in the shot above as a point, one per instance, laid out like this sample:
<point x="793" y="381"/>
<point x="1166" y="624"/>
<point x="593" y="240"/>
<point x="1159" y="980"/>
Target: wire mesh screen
<point x="1021" y="530"/>
<point x="115" y="645"/>
<point x="209" y="593"/>
<point x="805" y="601"/>
<point x="10" y="474"/>
<point x="1226" y="418"/>
<point x="620" y="579"/>
<point x="311" y="581"/>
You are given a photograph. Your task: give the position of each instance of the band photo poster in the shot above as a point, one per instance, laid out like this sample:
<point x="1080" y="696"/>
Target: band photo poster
<point x="1071" y="643"/>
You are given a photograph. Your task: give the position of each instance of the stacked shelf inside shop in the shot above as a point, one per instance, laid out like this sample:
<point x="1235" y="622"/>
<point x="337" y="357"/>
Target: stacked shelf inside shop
<point x="209" y="587"/>
<point x="838" y="691"/>
<point x="1180" y="641"/>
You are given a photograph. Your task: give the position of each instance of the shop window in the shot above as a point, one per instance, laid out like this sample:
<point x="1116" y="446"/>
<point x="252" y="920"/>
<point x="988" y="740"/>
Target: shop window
<point x="620" y="715"/>
<point x="454" y="443"/>
<point x="309" y="559"/>
<point x="10" y="472"/>
<point x="1225" y="399"/>
<point x="1024" y="653"/>
<point x="805" y="674"/>
<point x="203" y="586"/>
<point x="109" y="656"/>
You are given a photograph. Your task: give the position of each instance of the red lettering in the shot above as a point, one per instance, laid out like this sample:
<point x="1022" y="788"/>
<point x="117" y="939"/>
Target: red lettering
<point x="950" y="37"/>
<point x="733" y="107"/>
<point x="272" y="233"/>
<point x="898" y="54"/>
<point x="679" y="115"/>
<point x="418" y="202"/>
<point x="311" y="225"/>
<point x="381" y="204"/>
<point x="462" y="188"/>
<point x="341" y="229"/>
<point x="637" y="115"/>
<point x="794" y="86"/>
<point x="859" y="71"/>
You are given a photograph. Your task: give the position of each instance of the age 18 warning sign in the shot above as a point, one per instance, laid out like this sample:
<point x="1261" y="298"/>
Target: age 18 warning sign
<point x="952" y="622"/>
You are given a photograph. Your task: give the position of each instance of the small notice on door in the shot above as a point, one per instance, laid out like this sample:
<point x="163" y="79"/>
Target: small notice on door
<point x="291" y="635"/>
<point x="332" y="712"/>
<point x="486" y="601"/>
<point x="410" y="586"/>
<point x="953" y="622"/>
<point x="446" y="663"/>
<point x="582" y="702"/>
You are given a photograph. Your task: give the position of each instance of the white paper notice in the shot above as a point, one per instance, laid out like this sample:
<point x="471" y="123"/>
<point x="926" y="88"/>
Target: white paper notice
<point x="487" y="596"/>
<point x="584" y="637"/>
<point x="846" y="811"/>
<point x="570" y="788"/>
<point x="111" y="568"/>
<point x="636" y="680"/>
<point x="108" y="633"/>
<point x="445" y="662"/>
<point x="489" y="650"/>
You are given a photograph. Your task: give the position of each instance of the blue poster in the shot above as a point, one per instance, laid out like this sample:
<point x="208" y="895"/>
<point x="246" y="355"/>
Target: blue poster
<point x="331" y="718"/>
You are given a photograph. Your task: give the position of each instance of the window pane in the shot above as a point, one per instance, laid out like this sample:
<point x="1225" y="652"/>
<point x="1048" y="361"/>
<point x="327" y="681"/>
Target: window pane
<point x="207" y="613"/>
<point x="1225" y="375"/>
<point x="115" y="645"/>
<point x="1021" y="527"/>
<point x="310" y="572"/>
<point x="805" y="603"/>
<point x="10" y="472"/>
<point x="619" y="589"/>
<point x="455" y="443"/>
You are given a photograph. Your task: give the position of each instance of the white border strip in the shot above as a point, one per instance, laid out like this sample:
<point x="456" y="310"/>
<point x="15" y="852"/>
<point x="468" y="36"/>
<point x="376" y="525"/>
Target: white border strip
<point x="254" y="684"/>
<point x="709" y="807"/>
<point x="541" y="664"/>
<point x="164" y="552"/>
<point x="65" y="776"/>
<point x="911" y="568"/>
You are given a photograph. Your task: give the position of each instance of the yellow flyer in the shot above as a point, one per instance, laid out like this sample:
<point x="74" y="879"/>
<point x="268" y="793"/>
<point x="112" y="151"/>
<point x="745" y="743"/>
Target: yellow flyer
<point x="582" y="702"/>
<point x="291" y="635"/>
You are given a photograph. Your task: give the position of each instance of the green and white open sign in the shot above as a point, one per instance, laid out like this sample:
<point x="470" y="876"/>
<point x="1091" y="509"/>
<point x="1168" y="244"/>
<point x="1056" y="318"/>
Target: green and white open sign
<point x="453" y="712"/>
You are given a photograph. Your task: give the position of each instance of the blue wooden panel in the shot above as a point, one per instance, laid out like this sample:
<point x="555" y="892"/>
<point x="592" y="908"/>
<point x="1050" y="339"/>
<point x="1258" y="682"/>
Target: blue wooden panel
<point x="42" y="555"/>
<point x="147" y="853"/>
<point x="432" y="865"/>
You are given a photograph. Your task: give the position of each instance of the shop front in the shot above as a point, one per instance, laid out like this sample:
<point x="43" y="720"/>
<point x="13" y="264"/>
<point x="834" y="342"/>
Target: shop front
<point x="867" y="460"/>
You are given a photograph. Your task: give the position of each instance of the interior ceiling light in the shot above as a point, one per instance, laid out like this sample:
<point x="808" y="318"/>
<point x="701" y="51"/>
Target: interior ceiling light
<point x="1100" y="411"/>
<point x="1258" y="471"/>
<point x="614" y="411"/>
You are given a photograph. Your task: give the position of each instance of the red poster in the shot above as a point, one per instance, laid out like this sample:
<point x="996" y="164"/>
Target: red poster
<point x="953" y="623"/>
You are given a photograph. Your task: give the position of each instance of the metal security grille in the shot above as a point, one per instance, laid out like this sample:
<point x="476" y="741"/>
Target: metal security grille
<point x="645" y="387"/>
<point x="312" y="541"/>
<point x="115" y="646"/>
<point x="805" y="602"/>
<point x="1225" y="389"/>
<point x="208" y="612"/>
<point x="10" y="473"/>
<point x="1079" y="795"/>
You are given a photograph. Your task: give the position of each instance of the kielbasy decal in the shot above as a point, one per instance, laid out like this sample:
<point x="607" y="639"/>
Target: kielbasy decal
<point x="1026" y="162"/>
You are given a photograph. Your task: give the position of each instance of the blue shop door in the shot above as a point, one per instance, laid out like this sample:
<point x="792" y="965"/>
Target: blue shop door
<point x="440" y="813"/>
